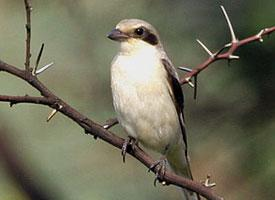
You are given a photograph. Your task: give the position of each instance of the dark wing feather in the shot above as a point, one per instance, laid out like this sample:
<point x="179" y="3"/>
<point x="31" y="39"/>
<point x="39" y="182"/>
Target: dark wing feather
<point x="176" y="95"/>
<point x="178" y="99"/>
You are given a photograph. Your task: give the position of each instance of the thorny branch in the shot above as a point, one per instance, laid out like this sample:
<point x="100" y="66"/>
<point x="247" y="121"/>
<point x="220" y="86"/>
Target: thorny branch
<point x="92" y="128"/>
<point x="51" y="100"/>
<point x="228" y="55"/>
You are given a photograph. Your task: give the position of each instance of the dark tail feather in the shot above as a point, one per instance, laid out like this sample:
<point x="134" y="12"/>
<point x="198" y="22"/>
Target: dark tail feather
<point x="180" y="165"/>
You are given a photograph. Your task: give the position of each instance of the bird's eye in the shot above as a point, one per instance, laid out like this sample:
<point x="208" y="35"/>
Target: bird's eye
<point x="139" y="31"/>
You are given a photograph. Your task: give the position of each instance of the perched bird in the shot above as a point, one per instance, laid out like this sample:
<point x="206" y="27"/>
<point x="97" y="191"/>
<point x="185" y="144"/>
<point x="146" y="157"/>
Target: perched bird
<point x="147" y="95"/>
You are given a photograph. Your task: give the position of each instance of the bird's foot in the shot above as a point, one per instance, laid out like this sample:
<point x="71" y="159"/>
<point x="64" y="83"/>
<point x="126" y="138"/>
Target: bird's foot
<point x="130" y="142"/>
<point x="207" y="183"/>
<point x="159" y="167"/>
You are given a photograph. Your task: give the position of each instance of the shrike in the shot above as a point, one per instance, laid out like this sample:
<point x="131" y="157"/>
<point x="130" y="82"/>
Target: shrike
<point x="147" y="95"/>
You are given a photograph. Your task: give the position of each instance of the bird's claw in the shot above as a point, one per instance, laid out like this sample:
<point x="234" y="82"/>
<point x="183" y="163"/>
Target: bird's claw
<point x="129" y="142"/>
<point x="160" y="166"/>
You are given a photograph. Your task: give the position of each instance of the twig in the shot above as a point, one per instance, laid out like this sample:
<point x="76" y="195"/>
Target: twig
<point x="26" y="99"/>
<point x="28" y="8"/>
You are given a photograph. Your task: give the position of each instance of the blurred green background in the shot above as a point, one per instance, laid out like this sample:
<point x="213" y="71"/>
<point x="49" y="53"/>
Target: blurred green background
<point x="231" y="126"/>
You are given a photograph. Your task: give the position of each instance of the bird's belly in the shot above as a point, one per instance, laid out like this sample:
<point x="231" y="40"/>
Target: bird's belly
<point x="146" y="110"/>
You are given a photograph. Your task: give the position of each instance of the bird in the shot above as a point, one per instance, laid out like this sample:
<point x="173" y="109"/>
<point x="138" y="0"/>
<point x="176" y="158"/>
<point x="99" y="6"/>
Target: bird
<point x="147" y="96"/>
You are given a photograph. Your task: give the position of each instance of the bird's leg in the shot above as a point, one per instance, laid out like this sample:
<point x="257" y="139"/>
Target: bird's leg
<point x="160" y="166"/>
<point x="129" y="142"/>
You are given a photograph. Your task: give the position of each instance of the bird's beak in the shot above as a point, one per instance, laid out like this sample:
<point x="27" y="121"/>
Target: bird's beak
<point x="117" y="35"/>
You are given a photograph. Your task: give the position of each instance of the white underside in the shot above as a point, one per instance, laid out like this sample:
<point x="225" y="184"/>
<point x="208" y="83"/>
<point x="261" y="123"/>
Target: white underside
<point x="142" y="101"/>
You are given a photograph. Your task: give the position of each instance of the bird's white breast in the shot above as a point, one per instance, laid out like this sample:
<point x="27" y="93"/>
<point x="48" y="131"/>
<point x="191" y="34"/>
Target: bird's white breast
<point x="141" y="98"/>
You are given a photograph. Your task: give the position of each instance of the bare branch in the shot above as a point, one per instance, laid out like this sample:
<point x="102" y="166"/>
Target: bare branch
<point x="28" y="8"/>
<point x="26" y="99"/>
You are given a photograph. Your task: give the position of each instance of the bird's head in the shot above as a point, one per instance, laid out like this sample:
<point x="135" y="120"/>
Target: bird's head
<point x="135" y="32"/>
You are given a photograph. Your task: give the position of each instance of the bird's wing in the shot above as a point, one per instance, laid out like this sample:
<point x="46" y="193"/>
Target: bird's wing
<point x="178" y="98"/>
<point x="176" y="95"/>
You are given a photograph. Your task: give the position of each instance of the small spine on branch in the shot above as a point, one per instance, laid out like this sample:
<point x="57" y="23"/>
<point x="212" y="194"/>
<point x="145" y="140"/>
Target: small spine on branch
<point x="53" y="113"/>
<point x="206" y="49"/>
<point x="207" y="183"/>
<point x="110" y="123"/>
<point x="260" y="35"/>
<point x="48" y="66"/>
<point x="188" y="79"/>
<point x="186" y="69"/>
<point x="36" y="71"/>
<point x="38" y="59"/>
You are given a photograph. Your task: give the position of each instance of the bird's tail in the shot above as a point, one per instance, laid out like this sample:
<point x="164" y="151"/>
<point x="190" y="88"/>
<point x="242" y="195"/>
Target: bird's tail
<point x="180" y="164"/>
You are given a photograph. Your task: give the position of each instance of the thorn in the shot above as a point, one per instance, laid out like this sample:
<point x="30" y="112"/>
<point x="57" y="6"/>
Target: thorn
<point x="228" y="45"/>
<point x="163" y="183"/>
<point x="52" y="114"/>
<point x="44" y="68"/>
<point x="106" y="126"/>
<point x="259" y="35"/>
<point x="110" y="123"/>
<point x="185" y="69"/>
<point x="188" y="79"/>
<point x="233" y="36"/>
<point x="207" y="183"/>
<point x="233" y="57"/>
<point x="38" y="60"/>
<point x="205" y="48"/>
